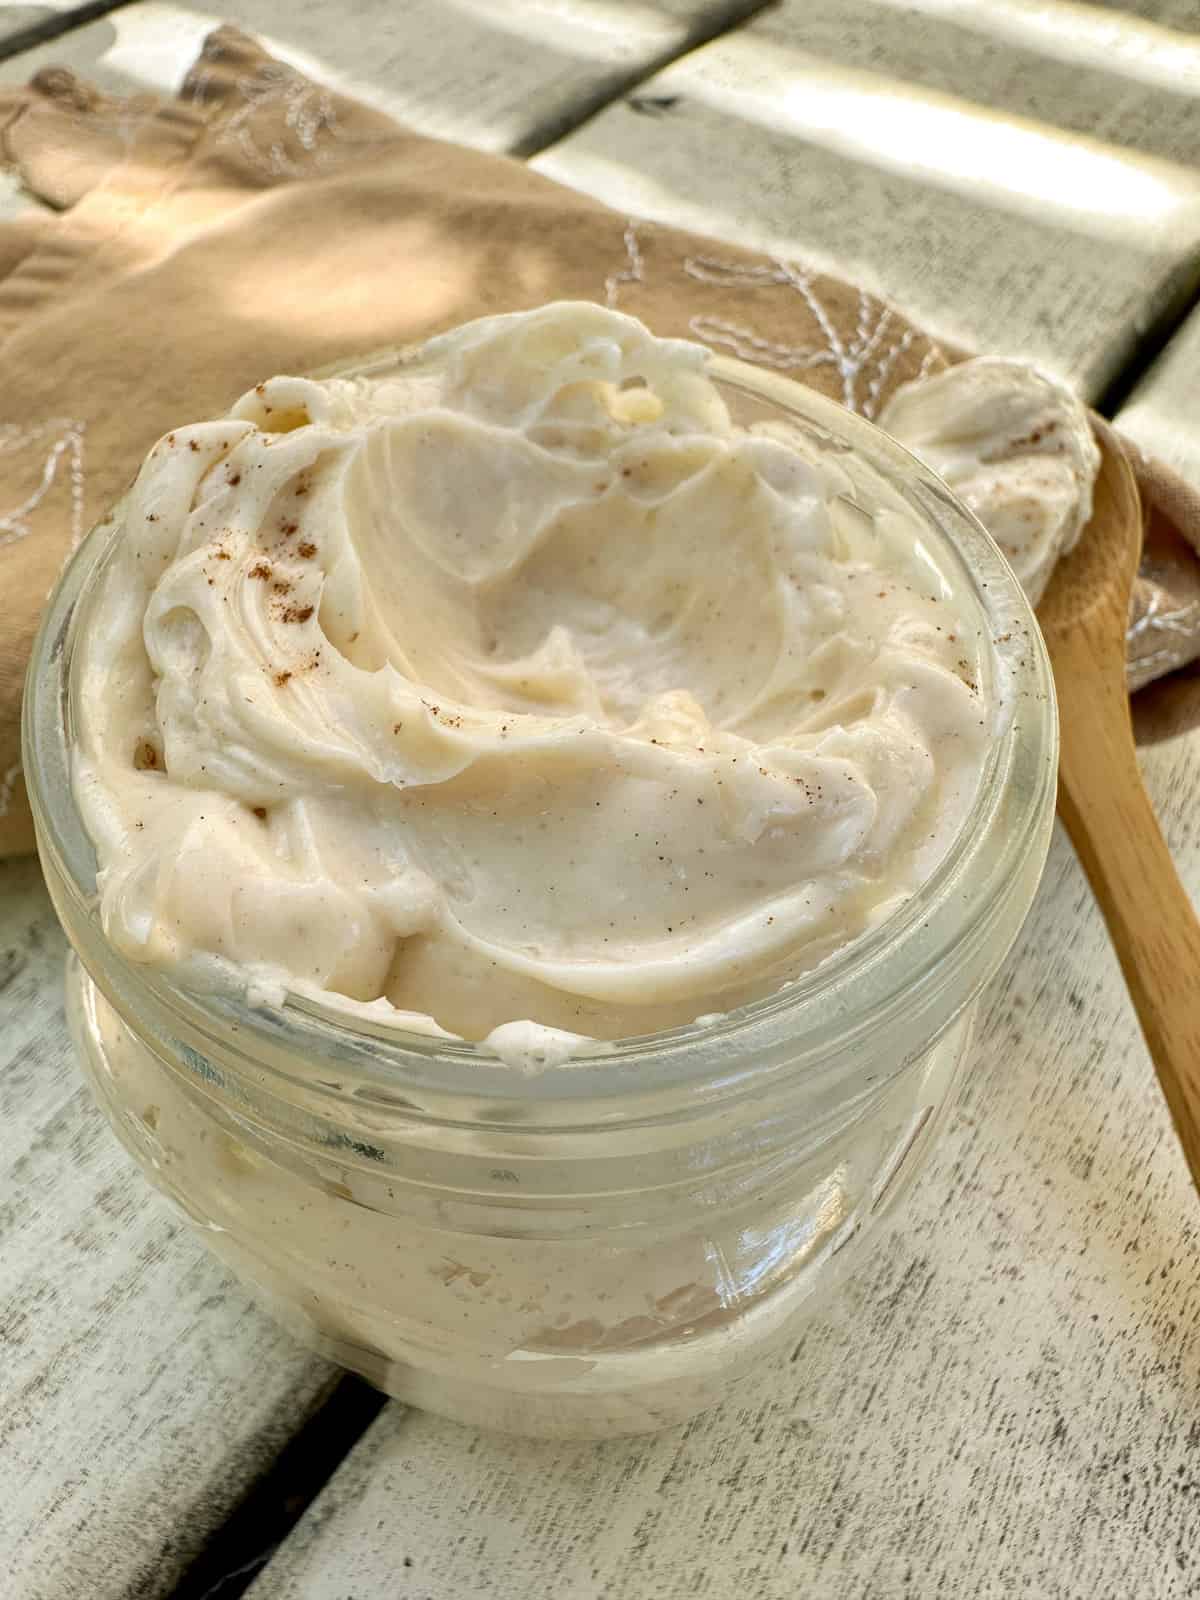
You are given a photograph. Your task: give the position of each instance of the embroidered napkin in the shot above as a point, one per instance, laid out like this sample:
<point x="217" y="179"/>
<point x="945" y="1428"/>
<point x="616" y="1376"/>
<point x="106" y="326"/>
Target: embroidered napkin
<point x="261" y="223"/>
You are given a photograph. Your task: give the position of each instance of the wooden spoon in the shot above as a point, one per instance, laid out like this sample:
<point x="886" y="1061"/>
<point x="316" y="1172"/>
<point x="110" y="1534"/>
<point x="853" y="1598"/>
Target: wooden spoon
<point x="1103" y="802"/>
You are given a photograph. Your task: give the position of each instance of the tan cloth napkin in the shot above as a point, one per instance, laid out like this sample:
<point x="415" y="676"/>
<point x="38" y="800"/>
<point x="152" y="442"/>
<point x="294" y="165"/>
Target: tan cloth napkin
<point x="261" y="224"/>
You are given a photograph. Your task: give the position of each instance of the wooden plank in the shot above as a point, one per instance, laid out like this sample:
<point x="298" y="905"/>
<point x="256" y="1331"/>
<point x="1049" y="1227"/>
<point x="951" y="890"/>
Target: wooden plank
<point x="140" y="1391"/>
<point x="23" y="25"/>
<point x="1002" y="1401"/>
<point x="1181" y="14"/>
<point x="488" y="73"/>
<point x="1109" y="76"/>
<point x="864" y="136"/>
<point x="1162" y="412"/>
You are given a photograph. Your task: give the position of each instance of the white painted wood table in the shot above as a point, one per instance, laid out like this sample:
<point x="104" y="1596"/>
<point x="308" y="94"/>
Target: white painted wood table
<point x="1006" y="1399"/>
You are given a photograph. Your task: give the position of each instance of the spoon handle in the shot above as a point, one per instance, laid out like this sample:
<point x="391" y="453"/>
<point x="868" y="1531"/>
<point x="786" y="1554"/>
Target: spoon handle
<point x="1153" y="924"/>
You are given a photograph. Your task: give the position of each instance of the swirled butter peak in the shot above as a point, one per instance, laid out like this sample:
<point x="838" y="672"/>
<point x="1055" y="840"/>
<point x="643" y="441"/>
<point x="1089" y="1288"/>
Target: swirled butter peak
<point x="519" y="687"/>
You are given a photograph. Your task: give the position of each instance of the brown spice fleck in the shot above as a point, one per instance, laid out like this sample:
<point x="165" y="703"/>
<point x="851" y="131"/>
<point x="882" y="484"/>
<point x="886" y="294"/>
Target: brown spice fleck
<point x="235" y="479"/>
<point x="281" y="587"/>
<point x="145" y="756"/>
<point x="223" y="555"/>
<point x="261" y="813"/>
<point x="307" y="550"/>
<point x="193" y="445"/>
<point x="261" y="570"/>
<point x="289" y="527"/>
<point x="297" y="613"/>
<point x="281" y="678"/>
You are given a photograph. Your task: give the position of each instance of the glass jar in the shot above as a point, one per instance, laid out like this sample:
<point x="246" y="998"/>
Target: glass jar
<point x="604" y="1246"/>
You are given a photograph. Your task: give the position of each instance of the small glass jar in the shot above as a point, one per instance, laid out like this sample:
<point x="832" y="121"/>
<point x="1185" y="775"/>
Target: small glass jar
<point x="603" y="1247"/>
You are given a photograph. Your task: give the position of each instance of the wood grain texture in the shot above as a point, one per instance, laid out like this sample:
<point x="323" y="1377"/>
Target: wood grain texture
<point x="490" y="73"/>
<point x="1177" y="14"/>
<point x="1111" y="76"/>
<point x="22" y="24"/>
<point x="1161" y="412"/>
<point x="140" y="1392"/>
<point x="1003" y="1401"/>
<point x="995" y="227"/>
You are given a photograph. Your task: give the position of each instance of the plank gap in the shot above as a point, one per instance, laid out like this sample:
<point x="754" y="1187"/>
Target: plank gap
<point x="54" y="24"/>
<point x="702" y="32"/>
<point x="1150" y="345"/>
<point x="238" y="1550"/>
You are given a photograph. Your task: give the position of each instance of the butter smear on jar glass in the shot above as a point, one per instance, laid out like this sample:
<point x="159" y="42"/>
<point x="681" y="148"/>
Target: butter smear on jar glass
<point x="533" y="817"/>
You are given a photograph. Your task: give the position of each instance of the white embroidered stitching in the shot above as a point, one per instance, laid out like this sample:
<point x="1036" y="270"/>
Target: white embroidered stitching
<point x="631" y="272"/>
<point x="14" y="523"/>
<point x="885" y="366"/>
<point x="868" y="348"/>
<point x="7" y="784"/>
<point x="862" y="333"/>
<point x="934" y="353"/>
<point x="751" y="347"/>
<point x="708" y="269"/>
<point x="846" y="365"/>
<point x="851" y="360"/>
<point x="309" y="113"/>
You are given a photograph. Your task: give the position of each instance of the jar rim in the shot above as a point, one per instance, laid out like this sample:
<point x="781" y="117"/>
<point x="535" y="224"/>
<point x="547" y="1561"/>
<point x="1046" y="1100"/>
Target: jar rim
<point x="915" y="959"/>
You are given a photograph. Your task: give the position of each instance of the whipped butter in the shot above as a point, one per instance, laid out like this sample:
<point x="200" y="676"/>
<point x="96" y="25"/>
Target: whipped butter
<point x="1016" y="447"/>
<point x="519" y="695"/>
